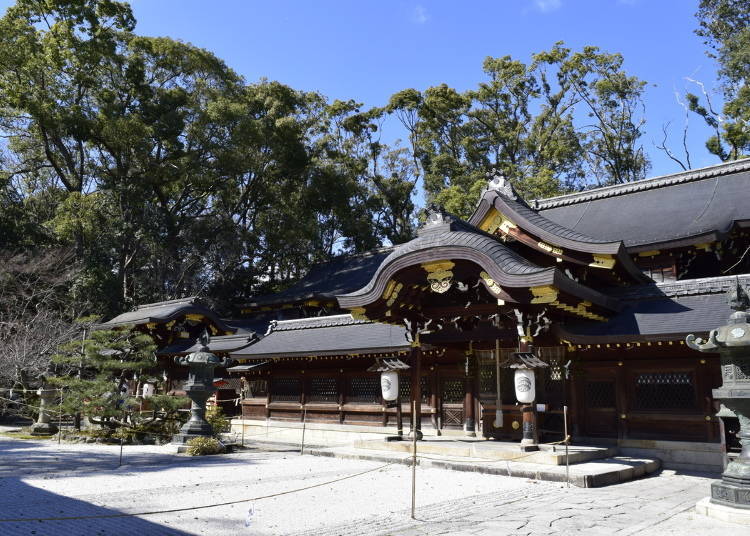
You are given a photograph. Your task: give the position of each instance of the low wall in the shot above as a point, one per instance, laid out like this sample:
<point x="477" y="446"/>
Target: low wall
<point x="677" y="455"/>
<point x="324" y="434"/>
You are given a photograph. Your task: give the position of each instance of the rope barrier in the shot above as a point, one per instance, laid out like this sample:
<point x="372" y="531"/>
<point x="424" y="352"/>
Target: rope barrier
<point x="17" y="390"/>
<point x="191" y="508"/>
<point x="46" y="408"/>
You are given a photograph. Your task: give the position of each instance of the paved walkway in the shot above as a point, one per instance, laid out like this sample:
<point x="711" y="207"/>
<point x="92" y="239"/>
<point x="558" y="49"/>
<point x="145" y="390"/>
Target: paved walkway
<point x="39" y="479"/>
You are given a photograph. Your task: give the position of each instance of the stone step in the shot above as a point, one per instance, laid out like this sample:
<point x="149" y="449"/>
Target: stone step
<point x="494" y="450"/>
<point x="589" y="474"/>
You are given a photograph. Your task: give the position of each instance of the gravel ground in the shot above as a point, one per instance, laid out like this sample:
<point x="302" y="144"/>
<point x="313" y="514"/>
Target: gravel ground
<point x="42" y="479"/>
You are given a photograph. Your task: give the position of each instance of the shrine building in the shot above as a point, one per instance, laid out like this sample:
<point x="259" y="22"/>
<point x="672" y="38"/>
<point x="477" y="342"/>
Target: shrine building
<point x="601" y="287"/>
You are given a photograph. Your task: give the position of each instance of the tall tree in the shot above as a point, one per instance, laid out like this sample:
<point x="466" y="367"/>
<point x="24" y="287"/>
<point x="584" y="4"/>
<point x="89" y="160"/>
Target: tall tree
<point x="725" y="28"/>
<point x="563" y="122"/>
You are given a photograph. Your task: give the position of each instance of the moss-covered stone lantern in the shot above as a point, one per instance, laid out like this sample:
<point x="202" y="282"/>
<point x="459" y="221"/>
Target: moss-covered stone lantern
<point x="198" y="388"/>
<point x="732" y="342"/>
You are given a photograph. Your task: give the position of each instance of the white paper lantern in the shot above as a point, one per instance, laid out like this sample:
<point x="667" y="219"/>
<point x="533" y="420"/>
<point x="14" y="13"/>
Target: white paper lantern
<point x="524" y="382"/>
<point x="389" y="385"/>
<point x="148" y="390"/>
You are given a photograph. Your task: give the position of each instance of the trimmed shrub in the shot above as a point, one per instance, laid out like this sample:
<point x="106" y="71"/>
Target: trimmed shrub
<point x="218" y="421"/>
<point x="201" y="446"/>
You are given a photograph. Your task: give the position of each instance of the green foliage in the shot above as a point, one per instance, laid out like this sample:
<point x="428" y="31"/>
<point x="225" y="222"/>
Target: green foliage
<point x="725" y="27"/>
<point x="202" y="446"/>
<point x="560" y="123"/>
<point x="218" y="421"/>
<point x="100" y="367"/>
<point x="169" y="175"/>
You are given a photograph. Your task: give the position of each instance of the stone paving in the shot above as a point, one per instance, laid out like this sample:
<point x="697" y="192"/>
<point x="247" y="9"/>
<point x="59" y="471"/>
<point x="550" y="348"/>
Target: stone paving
<point x="42" y="479"/>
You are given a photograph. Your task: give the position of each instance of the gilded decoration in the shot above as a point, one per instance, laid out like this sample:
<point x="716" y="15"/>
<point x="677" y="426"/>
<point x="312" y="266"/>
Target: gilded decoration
<point x="544" y="294"/>
<point x="550" y="294"/>
<point x="550" y="249"/>
<point x="495" y="221"/>
<point x="491" y="284"/>
<point x="391" y="292"/>
<point x="439" y="275"/>
<point x="603" y="261"/>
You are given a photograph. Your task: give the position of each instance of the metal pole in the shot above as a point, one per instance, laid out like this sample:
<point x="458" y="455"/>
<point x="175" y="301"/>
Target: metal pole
<point x="414" y="458"/>
<point x="567" y="459"/>
<point x="59" y="419"/>
<point x="304" y="420"/>
<point x="120" y="463"/>
<point x="242" y="421"/>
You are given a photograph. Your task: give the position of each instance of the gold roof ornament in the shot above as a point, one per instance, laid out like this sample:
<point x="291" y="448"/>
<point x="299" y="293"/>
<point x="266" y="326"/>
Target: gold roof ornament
<point x="439" y="275"/>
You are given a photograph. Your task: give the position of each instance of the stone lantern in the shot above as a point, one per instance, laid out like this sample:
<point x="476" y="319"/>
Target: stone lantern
<point x="730" y="497"/>
<point x="44" y="425"/>
<point x="198" y="388"/>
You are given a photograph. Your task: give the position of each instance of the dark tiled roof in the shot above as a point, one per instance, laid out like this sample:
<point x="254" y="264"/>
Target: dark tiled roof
<point x="666" y="311"/>
<point x="550" y="226"/>
<point x="162" y="312"/>
<point x="248" y="326"/>
<point x="691" y="175"/>
<point x="688" y="287"/>
<point x="662" y="319"/>
<point x="694" y="206"/>
<point x="217" y="344"/>
<point x="447" y="232"/>
<point x="327" y="280"/>
<point x="332" y="335"/>
<point x="445" y="236"/>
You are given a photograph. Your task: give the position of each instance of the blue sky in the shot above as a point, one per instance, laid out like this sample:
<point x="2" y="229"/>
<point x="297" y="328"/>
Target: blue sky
<point x="368" y="50"/>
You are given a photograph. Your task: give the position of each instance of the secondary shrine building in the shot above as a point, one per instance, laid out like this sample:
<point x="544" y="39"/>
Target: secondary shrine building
<point x="602" y="286"/>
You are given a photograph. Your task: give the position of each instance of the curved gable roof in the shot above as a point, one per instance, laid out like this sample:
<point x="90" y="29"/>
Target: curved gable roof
<point x="162" y="312"/>
<point x="326" y="280"/>
<point x="686" y="208"/>
<point x="446" y="237"/>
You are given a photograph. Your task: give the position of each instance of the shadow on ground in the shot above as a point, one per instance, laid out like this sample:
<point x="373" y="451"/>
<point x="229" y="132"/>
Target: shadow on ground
<point x="21" y="501"/>
<point x="29" y="457"/>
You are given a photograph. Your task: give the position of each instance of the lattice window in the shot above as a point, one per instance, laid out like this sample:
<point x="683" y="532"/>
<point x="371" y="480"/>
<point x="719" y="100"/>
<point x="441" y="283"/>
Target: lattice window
<point x="453" y="391"/>
<point x="286" y="389"/>
<point x="600" y="394"/>
<point x="323" y="390"/>
<point x="453" y="417"/>
<point x="664" y="390"/>
<point x="256" y="388"/>
<point x="742" y="371"/>
<point x="487" y="380"/>
<point x="364" y="389"/>
<point x="404" y="388"/>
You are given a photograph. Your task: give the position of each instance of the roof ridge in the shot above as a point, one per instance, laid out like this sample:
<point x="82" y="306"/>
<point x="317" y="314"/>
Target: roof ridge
<point x="310" y="319"/>
<point x="681" y="177"/>
<point x="316" y="322"/>
<point x="190" y="300"/>
<point x="671" y="289"/>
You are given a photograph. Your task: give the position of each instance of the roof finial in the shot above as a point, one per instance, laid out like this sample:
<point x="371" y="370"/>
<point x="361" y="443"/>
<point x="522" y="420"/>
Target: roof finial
<point x="204" y="340"/>
<point x="436" y="215"/>
<point x="738" y="297"/>
<point x="500" y="184"/>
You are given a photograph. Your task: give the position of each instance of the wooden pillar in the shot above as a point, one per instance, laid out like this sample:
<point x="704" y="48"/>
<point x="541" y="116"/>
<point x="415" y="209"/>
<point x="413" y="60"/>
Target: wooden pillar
<point x="530" y="438"/>
<point x="268" y="397"/>
<point x="399" y="417"/>
<point x="303" y="396"/>
<point x="342" y="387"/>
<point x="416" y="385"/>
<point x="469" y="416"/>
<point x="434" y="399"/>
<point x="621" y="398"/>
